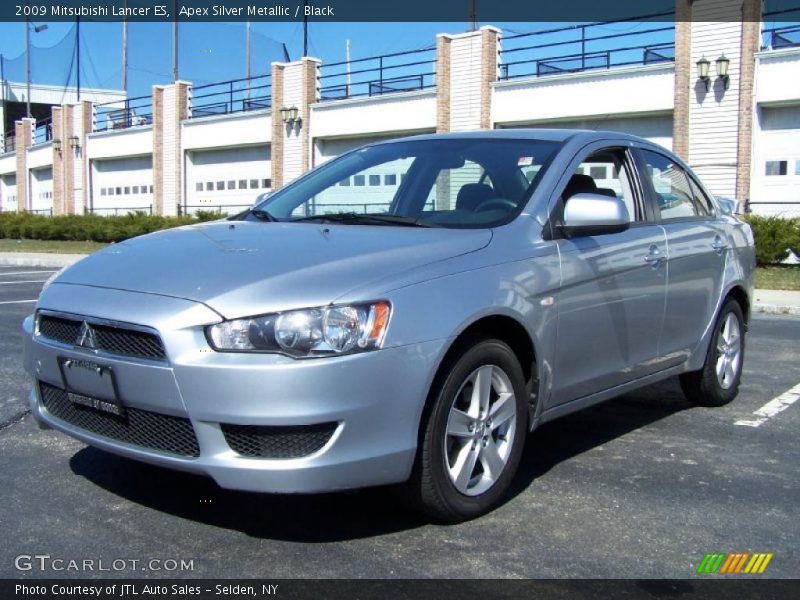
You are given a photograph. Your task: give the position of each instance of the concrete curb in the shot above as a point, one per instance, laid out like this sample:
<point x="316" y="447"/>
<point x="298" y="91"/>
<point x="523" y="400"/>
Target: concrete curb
<point x="38" y="259"/>
<point x="776" y="309"/>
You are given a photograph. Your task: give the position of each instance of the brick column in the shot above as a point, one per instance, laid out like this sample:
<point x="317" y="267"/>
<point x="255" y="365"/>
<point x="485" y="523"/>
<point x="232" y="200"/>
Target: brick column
<point x="683" y="78"/>
<point x="751" y="40"/>
<point x="443" y="83"/>
<point x="294" y="85"/>
<point x="466" y="67"/>
<point x="170" y="107"/>
<point x="57" y="113"/>
<point x="276" y="145"/>
<point x="23" y="138"/>
<point x="490" y="50"/>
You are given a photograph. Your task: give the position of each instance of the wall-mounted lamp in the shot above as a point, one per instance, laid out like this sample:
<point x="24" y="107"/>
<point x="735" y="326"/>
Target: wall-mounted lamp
<point x="291" y="116"/>
<point x="723" y="62"/>
<point x="702" y="72"/>
<point x="74" y="142"/>
<point x="57" y="146"/>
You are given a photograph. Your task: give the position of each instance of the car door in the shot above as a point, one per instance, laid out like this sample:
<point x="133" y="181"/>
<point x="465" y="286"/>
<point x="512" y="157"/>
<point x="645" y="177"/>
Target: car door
<point x="612" y="296"/>
<point x="697" y="248"/>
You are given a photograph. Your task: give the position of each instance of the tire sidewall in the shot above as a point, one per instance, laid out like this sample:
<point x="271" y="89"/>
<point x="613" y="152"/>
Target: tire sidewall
<point x="720" y="394"/>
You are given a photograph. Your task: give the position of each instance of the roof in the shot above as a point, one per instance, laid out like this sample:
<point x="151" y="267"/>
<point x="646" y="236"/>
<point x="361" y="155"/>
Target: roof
<point x="556" y="135"/>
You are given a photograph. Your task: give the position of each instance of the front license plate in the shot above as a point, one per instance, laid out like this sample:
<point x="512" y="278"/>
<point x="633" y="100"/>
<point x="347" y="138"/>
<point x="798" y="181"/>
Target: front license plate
<point x="91" y="384"/>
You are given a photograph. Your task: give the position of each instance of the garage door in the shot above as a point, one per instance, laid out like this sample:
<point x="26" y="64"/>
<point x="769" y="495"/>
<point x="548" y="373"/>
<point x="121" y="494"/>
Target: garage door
<point x="122" y="185"/>
<point x="8" y="193"/>
<point x="228" y="179"/>
<point x="775" y="188"/>
<point x="656" y="128"/>
<point x="42" y="190"/>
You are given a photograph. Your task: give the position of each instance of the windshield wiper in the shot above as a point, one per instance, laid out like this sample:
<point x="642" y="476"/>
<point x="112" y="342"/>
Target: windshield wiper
<point x="365" y="219"/>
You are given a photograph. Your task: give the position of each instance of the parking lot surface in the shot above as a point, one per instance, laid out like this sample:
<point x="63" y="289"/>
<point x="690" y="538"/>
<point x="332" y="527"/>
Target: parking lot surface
<point x="641" y="486"/>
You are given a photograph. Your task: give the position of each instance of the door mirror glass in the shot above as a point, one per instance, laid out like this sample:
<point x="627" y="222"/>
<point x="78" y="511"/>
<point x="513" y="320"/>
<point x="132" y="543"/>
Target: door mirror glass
<point x="594" y="214"/>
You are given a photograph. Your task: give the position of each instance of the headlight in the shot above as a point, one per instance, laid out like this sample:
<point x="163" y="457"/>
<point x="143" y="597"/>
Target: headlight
<point x="326" y="331"/>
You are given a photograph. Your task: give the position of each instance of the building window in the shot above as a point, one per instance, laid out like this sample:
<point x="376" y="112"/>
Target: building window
<point x="102" y="191"/>
<point x="345" y="182"/>
<point x="254" y="184"/>
<point x="390" y="179"/>
<point x="243" y="184"/>
<point x="776" y="167"/>
<point x="127" y="190"/>
<point x="198" y="187"/>
<point x="136" y="189"/>
<point x="358" y="180"/>
<point x="231" y="184"/>
<point x="597" y="172"/>
<point x="266" y="183"/>
<point x="209" y="186"/>
<point x="797" y="167"/>
<point x="151" y="189"/>
<point x="374" y="180"/>
<point x="119" y="191"/>
<point x="220" y="185"/>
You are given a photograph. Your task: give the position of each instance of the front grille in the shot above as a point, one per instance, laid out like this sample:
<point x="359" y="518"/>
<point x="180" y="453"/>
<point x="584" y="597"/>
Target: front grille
<point x="174" y="435"/>
<point x="61" y="330"/>
<point x="107" y="338"/>
<point x="277" y="442"/>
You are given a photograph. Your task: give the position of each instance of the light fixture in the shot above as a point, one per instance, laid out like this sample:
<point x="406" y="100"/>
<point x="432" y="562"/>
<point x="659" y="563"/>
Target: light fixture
<point x="293" y="114"/>
<point x="702" y="72"/>
<point x="723" y="62"/>
<point x="285" y="114"/>
<point x="57" y="146"/>
<point x="74" y="142"/>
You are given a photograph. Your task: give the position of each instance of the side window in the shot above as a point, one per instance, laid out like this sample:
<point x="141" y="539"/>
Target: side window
<point x="674" y="196"/>
<point x="604" y="173"/>
<point x="460" y="188"/>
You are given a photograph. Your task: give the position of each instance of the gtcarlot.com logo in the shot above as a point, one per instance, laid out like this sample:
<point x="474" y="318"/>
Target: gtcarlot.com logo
<point x="46" y="562"/>
<point x="741" y="563"/>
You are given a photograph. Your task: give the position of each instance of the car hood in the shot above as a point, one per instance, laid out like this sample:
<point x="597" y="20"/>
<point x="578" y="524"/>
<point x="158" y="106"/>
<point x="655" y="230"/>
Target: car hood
<point x="244" y="268"/>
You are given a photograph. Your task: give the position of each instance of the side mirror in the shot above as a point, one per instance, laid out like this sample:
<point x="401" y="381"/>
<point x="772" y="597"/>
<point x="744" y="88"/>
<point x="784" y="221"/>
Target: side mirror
<point x="594" y="214"/>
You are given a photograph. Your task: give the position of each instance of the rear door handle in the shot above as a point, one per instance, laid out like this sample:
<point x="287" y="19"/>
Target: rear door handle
<point x="718" y="245"/>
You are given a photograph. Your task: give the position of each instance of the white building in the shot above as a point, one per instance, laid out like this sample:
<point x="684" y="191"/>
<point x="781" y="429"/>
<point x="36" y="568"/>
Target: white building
<point x="188" y="148"/>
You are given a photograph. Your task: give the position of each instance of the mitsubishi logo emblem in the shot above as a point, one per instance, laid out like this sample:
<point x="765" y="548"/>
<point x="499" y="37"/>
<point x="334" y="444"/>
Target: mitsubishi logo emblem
<point x="86" y="336"/>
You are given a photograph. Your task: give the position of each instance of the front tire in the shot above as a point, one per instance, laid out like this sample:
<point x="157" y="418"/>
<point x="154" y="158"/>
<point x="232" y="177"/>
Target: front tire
<point x="717" y="383"/>
<point x="473" y="437"/>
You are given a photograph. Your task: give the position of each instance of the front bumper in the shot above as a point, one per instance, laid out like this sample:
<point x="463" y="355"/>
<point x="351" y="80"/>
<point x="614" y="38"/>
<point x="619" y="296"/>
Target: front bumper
<point x="375" y="399"/>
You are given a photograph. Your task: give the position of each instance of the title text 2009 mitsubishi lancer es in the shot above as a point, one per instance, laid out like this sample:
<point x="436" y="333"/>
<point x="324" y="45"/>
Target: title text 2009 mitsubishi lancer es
<point x="404" y="314"/>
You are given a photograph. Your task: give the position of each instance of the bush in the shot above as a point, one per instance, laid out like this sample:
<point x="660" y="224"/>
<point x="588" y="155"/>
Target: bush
<point x="91" y="227"/>
<point x="774" y="237"/>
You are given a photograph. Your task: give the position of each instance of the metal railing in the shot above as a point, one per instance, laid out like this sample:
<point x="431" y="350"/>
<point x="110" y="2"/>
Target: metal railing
<point x="775" y="38"/>
<point x="122" y="114"/>
<point x="43" y="131"/>
<point x="116" y="210"/>
<point x="233" y="96"/>
<point x="592" y="46"/>
<point x="377" y="75"/>
<point x="47" y="212"/>
<point x="9" y="144"/>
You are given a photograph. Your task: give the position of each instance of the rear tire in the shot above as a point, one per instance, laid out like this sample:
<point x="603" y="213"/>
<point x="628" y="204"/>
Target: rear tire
<point x="473" y="435"/>
<point x="717" y="383"/>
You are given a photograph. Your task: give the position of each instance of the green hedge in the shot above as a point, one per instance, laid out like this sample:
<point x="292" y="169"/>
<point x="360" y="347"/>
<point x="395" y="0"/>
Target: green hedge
<point x="774" y="237"/>
<point x="91" y="227"/>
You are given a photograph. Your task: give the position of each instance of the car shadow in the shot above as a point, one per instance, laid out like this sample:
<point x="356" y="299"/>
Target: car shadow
<point x="364" y="513"/>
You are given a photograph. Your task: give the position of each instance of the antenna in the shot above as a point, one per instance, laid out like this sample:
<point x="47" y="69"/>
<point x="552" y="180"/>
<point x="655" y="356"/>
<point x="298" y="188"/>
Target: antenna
<point x="473" y="15"/>
<point x="125" y="50"/>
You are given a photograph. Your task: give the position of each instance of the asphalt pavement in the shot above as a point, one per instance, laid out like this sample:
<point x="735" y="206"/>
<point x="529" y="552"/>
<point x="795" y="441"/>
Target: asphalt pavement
<point x="642" y="486"/>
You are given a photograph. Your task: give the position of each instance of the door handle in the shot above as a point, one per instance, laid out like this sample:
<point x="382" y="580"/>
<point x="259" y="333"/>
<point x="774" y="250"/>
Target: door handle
<point x="654" y="257"/>
<point x="718" y="245"/>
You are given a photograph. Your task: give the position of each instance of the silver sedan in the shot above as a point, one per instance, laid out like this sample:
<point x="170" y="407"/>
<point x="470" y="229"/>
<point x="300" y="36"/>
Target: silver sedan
<point x="404" y="314"/>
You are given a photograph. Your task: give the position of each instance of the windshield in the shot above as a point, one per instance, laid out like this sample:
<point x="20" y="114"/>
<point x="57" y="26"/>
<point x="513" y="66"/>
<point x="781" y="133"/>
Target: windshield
<point x="436" y="183"/>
